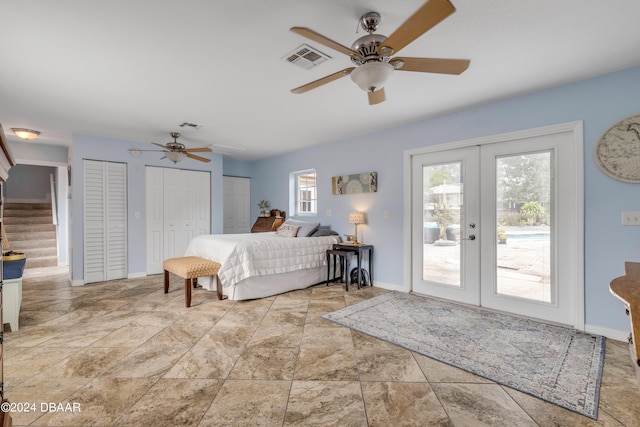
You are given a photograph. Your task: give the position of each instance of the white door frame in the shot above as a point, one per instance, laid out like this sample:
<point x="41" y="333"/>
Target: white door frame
<point x="576" y="128"/>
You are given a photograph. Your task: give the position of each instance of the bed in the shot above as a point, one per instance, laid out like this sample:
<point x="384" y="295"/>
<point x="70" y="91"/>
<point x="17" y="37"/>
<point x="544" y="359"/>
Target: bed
<point x="258" y="265"/>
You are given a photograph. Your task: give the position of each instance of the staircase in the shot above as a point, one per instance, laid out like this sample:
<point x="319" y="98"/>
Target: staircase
<point x="29" y="229"/>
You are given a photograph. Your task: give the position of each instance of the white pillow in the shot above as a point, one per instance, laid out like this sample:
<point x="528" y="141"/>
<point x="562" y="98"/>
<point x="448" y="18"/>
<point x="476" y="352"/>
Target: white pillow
<point x="287" y="230"/>
<point x="306" y="228"/>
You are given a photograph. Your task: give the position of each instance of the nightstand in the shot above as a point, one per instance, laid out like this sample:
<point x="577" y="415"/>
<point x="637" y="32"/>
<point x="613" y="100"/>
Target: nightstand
<point x="359" y="249"/>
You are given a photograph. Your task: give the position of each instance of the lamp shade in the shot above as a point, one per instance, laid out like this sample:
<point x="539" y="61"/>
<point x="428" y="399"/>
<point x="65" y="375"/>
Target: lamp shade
<point x="175" y="156"/>
<point x="356" y="218"/>
<point x="372" y="75"/>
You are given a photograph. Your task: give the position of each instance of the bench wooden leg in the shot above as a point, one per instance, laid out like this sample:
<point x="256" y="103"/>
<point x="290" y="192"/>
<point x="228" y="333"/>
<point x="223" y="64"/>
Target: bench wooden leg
<point x="166" y="281"/>
<point x="187" y="292"/>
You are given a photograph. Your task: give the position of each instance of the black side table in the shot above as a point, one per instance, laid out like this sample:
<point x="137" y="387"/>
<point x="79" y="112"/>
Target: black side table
<point x="359" y="249"/>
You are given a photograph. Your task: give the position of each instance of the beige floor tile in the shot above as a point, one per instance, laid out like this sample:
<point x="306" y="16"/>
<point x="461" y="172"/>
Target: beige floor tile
<point x="35" y="392"/>
<point x="315" y="336"/>
<point x="101" y="402"/>
<point x="131" y="355"/>
<point x="272" y="335"/>
<point x="242" y="402"/>
<point x="86" y="363"/>
<point x="403" y="404"/>
<point x="438" y="372"/>
<point x="175" y="402"/>
<point x="477" y="405"/>
<point x="329" y="364"/>
<point x="147" y="362"/>
<point x="388" y="365"/>
<point x="201" y="362"/>
<point x="324" y="403"/>
<point x="128" y="336"/>
<point x="265" y="363"/>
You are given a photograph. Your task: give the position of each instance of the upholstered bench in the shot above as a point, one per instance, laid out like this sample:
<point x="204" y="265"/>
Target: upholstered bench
<point x="190" y="268"/>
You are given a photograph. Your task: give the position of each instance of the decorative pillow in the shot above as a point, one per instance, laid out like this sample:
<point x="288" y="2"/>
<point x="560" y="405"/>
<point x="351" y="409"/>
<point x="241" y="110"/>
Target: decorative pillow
<point x="306" y="228"/>
<point x="288" y="230"/>
<point x="322" y="231"/>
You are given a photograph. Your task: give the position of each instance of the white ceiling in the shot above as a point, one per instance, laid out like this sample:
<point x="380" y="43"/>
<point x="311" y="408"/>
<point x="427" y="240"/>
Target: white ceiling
<point x="135" y="70"/>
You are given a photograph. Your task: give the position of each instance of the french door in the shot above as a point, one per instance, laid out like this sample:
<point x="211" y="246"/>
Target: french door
<point x="497" y="225"/>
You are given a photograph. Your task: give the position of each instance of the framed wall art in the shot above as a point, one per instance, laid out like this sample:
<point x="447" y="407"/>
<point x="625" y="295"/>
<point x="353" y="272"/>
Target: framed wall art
<point x="358" y="183"/>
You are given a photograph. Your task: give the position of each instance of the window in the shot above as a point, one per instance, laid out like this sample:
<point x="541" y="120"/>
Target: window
<point x="304" y="194"/>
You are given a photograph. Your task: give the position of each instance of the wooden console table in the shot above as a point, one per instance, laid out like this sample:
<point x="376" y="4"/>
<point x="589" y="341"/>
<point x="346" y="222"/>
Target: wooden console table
<point x="268" y="223"/>
<point x="627" y="289"/>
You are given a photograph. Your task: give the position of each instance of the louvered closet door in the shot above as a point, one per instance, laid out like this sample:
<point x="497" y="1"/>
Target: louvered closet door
<point x="105" y="221"/>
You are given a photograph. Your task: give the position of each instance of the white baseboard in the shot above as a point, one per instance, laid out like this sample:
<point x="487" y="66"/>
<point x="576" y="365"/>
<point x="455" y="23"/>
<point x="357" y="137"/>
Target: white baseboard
<point x="613" y="334"/>
<point x="77" y="282"/>
<point x="388" y="286"/>
<point x="14" y="200"/>
<point x="136" y="275"/>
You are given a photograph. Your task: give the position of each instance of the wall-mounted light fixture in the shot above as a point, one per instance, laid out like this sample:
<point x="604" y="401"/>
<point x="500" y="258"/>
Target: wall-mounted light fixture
<point x="25" y="134"/>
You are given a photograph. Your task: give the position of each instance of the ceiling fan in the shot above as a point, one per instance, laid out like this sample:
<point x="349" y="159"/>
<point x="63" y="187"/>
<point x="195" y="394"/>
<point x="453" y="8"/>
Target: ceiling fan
<point x="176" y="151"/>
<point x="372" y="54"/>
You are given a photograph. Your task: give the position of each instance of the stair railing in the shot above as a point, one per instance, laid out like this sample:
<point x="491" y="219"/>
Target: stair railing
<point x="54" y="204"/>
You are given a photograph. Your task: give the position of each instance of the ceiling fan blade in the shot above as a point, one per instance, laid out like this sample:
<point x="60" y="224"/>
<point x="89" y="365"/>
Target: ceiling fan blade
<point x="326" y="79"/>
<point x="428" y="16"/>
<point x="198" y="150"/>
<point x="434" y="65"/>
<point x="316" y="37"/>
<point x="199" y="158"/>
<point x="376" y="97"/>
<point x="160" y="145"/>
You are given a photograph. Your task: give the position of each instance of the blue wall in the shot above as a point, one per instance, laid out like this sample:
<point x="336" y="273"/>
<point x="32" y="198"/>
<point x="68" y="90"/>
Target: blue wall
<point x="29" y="184"/>
<point x="96" y="148"/>
<point x="598" y="102"/>
<point x="55" y="156"/>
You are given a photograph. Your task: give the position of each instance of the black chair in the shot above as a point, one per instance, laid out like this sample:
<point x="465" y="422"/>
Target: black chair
<point x="343" y="255"/>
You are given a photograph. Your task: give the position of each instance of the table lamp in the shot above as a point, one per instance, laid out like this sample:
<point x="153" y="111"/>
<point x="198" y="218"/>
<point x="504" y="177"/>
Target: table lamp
<point x="356" y="218"/>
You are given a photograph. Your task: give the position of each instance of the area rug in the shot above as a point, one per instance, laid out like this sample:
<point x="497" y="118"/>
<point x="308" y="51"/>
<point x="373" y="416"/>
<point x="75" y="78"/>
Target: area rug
<point x="560" y="365"/>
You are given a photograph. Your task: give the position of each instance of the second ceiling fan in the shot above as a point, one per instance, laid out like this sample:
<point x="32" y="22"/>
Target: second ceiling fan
<point x="372" y="54"/>
<point x="176" y="151"/>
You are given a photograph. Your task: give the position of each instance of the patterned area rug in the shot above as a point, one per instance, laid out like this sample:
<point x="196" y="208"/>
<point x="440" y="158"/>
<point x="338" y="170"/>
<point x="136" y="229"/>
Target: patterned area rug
<point x="560" y="365"/>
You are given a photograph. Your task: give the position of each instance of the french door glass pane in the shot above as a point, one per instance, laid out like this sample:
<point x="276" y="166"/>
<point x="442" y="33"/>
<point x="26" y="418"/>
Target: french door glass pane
<point x="523" y="230"/>
<point x="442" y="207"/>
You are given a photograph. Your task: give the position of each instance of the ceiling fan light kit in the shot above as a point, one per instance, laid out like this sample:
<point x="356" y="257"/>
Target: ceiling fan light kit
<point x="372" y="75"/>
<point x="175" y="156"/>
<point x="371" y="54"/>
<point x="176" y="151"/>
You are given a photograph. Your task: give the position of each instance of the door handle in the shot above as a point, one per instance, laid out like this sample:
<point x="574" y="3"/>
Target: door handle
<point x="471" y="237"/>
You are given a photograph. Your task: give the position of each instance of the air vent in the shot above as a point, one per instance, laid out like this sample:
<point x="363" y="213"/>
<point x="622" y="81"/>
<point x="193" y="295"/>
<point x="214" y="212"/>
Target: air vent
<point x="190" y="125"/>
<point x="306" y="57"/>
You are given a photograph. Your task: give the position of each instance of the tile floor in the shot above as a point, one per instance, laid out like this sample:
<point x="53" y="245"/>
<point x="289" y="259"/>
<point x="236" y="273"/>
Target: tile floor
<point x="126" y="354"/>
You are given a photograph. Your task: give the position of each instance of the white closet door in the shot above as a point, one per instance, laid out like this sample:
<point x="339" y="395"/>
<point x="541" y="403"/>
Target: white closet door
<point x="116" y="213"/>
<point x="94" y="222"/>
<point x="202" y="203"/>
<point x="237" y="192"/>
<point x="105" y="221"/>
<point x="178" y="209"/>
<point x="155" y="218"/>
<point x="174" y="214"/>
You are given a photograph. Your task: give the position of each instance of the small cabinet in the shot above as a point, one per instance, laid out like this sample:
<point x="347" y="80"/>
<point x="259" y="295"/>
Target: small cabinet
<point x="268" y="223"/>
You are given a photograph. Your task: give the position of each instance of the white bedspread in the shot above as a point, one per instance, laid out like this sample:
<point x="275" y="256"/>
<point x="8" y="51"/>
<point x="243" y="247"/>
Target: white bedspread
<point x="258" y="254"/>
